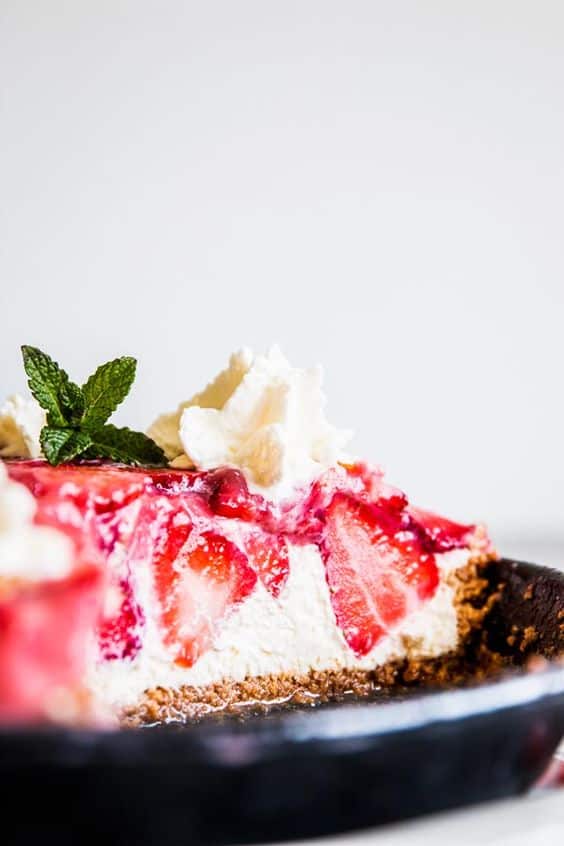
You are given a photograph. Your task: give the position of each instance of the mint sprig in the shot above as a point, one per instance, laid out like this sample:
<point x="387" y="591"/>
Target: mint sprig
<point x="77" y="416"/>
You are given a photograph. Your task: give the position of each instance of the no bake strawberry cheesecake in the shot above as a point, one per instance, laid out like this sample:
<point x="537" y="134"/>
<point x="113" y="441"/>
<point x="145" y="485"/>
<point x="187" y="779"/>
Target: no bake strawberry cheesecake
<point x="241" y="556"/>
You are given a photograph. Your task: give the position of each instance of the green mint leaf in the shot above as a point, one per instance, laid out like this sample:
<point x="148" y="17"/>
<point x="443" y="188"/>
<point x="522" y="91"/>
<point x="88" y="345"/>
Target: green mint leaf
<point x="50" y="386"/>
<point x="52" y="441"/>
<point x="60" y="445"/>
<point x="125" y="446"/>
<point x="105" y="390"/>
<point x="77" y="445"/>
<point x="73" y="401"/>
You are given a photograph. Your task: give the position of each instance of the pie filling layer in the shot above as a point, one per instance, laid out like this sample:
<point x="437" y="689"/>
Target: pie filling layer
<point x="207" y="584"/>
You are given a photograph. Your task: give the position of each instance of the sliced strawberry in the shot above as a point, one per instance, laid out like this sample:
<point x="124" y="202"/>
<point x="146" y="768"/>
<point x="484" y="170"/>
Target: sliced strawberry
<point x="268" y="555"/>
<point x="173" y="482"/>
<point x="230" y="495"/>
<point x="121" y="627"/>
<point x="199" y="579"/>
<point x="224" y="489"/>
<point x="442" y="533"/>
<point x="377" y="569"/>
<point x="377" y="490"/>
<point x="45" y="633"/>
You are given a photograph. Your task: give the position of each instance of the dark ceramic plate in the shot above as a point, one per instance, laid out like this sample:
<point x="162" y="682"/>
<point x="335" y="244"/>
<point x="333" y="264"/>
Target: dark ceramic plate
<point x="300" y="773"/>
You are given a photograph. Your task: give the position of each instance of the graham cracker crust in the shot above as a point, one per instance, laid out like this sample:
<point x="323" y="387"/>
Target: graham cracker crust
<point x="474" y="599"/>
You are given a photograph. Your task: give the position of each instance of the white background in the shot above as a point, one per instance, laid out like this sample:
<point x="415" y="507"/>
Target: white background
<point x="378" y="186"/>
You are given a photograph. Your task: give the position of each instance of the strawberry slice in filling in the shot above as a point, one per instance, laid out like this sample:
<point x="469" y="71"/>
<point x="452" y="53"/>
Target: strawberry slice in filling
<point x="377" y="569"/>
<point x="200" y="577"/>
<point x="120" y="628"/>
<point x="268" y="555"/>
<point x="444" y="534"/>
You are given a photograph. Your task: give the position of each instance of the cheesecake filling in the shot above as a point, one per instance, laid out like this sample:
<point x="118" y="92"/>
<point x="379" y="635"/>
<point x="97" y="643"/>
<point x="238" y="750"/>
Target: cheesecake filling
<point x="292" y="634"/>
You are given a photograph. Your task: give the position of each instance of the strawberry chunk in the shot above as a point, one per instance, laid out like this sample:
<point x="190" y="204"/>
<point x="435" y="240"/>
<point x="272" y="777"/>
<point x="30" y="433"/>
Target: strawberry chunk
<point x="377" y="567"/>
<point x="199" y="580"/>
<point x="230" y="495"/>
<point x="442" y="533"/>
<point x="121" y="627"/>
<point x="268" y="555"/>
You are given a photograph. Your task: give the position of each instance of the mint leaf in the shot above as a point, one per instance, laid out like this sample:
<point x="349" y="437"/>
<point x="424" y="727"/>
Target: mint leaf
<point x="76" y="446"/>
<point x="60" y="445"/>
<point x="73" y="401"/>
<point x="52" y="441"/>
<point x="105" y="390"/>
<point x="125" y="446"/>
<point x="50" y="386"/>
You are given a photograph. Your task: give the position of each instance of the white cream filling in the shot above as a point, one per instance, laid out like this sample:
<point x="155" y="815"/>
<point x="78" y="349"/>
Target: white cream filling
<point x="292" y="634"/>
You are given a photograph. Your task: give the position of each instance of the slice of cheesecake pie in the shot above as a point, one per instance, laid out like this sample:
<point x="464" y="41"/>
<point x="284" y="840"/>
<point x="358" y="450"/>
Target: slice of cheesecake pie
<point x="263" y="565"/>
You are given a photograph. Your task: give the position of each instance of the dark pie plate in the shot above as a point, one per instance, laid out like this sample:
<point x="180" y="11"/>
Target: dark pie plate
<point x="300" y="773"/>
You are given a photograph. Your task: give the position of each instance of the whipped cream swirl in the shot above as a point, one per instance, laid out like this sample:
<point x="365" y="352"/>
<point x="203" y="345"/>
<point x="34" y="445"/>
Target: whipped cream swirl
<point x="21" y="421"/>
<point x="260" y="415"/>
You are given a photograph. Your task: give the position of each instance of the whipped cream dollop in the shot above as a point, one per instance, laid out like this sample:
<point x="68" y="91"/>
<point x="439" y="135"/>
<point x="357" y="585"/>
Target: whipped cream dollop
<point x="260" y="415"/>
<point x="28" y="552"/>
<point x="21" y="421"/>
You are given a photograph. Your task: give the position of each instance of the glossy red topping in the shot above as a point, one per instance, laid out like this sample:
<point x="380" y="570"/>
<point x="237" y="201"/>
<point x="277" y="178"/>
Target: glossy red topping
<point x="443" y="534"/>
<point x="229" y="496"/>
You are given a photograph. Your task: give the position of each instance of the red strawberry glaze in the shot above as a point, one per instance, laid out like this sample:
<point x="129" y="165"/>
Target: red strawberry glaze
<point x="442" y="534"/>
<point x="209" y="540"/>
<point x="225" y="490"/>
<point x="230" y="497"/>
<point x="374" y="488"/>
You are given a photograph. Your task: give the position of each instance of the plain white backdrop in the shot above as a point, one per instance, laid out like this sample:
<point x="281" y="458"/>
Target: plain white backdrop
<point x="378" y="186"/>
